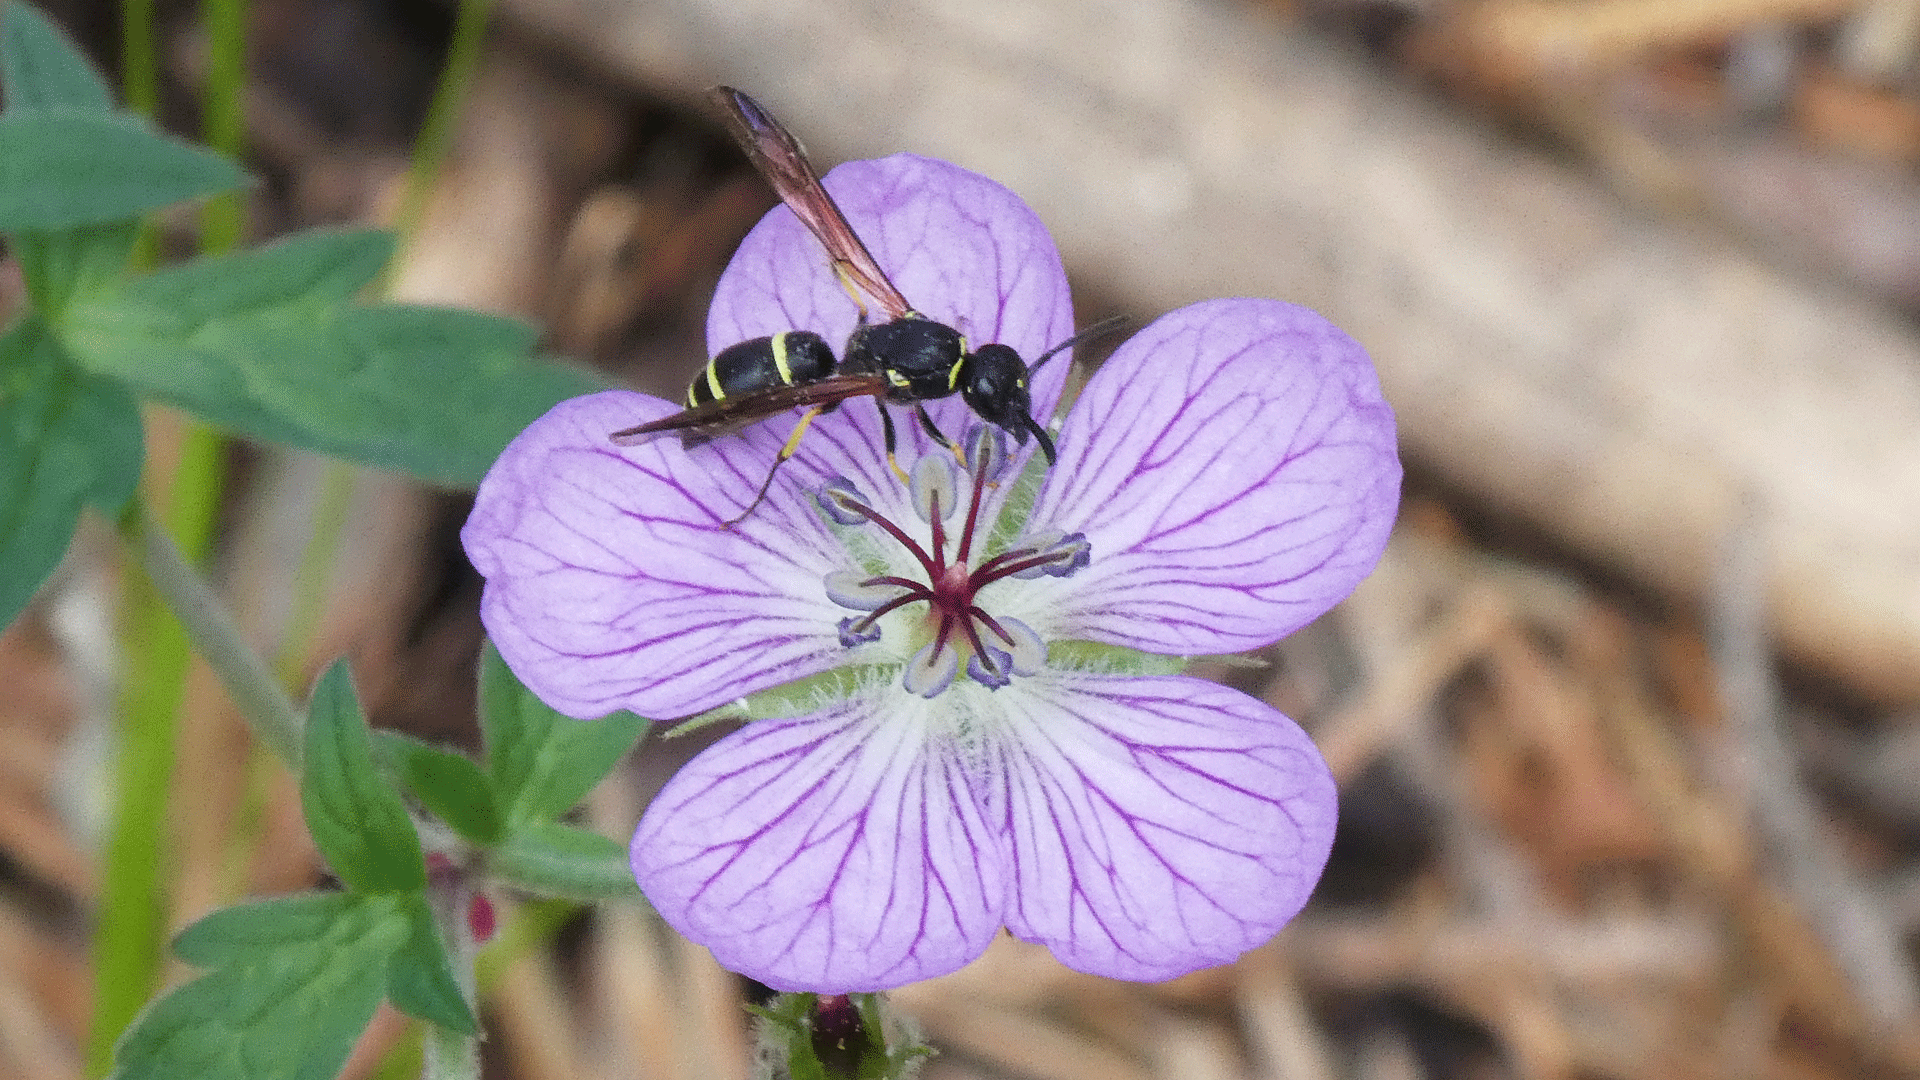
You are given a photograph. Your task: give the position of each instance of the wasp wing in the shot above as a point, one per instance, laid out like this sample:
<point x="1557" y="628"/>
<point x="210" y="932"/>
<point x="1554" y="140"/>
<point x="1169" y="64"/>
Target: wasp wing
<point x="777" y="154"/>
<point x="705" y="423"/>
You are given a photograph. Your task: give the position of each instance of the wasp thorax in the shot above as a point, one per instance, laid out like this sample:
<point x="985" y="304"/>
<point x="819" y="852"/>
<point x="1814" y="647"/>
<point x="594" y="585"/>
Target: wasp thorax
<point x="958" y="630"/>
<point x="920" y="357"/>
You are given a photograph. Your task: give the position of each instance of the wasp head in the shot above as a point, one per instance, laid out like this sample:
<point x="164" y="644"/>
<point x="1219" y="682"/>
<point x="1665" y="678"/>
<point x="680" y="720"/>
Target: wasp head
<point x="994" y="385"/>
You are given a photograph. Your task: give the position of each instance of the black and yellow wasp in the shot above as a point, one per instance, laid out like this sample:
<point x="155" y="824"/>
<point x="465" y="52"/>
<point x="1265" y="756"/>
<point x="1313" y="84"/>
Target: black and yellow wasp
<point x="907" y="360"/>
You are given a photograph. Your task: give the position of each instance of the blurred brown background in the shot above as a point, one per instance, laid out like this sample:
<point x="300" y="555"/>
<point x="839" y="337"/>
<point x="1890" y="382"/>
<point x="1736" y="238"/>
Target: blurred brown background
<point x="1627" y="723"/>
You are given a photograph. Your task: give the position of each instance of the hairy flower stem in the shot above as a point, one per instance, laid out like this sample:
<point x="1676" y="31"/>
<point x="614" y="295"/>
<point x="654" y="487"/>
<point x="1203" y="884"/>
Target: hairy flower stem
<point x="274" y="719"/>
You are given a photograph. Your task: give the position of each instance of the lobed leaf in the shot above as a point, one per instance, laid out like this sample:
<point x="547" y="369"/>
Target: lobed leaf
<point x="420" y="980"/>
<point x="544" y="763"/>
<point x="270" y="342"/>
<point x="448" y="783"/>
<point x="550" y="859"/>
<point x="41" y="68"/>
<point x="67" y="440"/>
<point x="288" y="1011"/>
<point x="61" y="168"/>
<point x="357" y="821"/>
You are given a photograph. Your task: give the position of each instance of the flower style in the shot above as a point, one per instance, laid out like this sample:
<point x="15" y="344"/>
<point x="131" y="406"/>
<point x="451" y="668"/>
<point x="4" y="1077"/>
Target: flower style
<point x="980" y="741"/>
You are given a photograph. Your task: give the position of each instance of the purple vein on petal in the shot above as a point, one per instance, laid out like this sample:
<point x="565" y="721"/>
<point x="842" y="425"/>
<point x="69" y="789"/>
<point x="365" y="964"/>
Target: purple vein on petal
<point x="1234" y="461"/>
<point x="832" y="853"/>
<point x="1205" y="859"/>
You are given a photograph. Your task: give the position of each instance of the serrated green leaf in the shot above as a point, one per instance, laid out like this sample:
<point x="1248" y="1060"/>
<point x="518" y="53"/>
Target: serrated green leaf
<point x="358" y="822"/>
<point x="67" y="440"/>
<point x="550" y="859"/>
<point x="290" y="1012"/>
<point x="544" y="763"/>
<point x="269" y="343"/>
<point x="420" y="981"/>
<point x="41" y="68"/>
<point x="450" y="784"/>
<point x="64" y="168"/>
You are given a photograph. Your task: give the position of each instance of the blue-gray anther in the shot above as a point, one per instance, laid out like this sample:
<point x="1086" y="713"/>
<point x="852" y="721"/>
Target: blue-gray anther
<point x="855" y="589"/>
<point x="1065" y="553"/>
<point x="933" y="478"/>
<point x="931" y="671"/>
<point x="838" y="497"/>
<point x="1027" y="653"/>
<point x="987" y="452"/>
<point x="992" y="676"/>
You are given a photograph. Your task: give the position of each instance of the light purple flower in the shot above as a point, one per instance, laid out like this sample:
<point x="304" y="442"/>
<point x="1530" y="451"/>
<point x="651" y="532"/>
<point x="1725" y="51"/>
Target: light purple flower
<point x="993" y="748"/>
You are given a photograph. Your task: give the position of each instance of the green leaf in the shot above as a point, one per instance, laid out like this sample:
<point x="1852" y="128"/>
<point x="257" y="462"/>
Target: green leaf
<point x="59" y="264"/>
<point x="236" y="934"/>
<point x="62" y="168"/>
<point x="420" y="981"/>
<point x="279" y="1007"/>
<point x="67" y="440"/>
<point x="447" y="783"/>
<point x="268" y="342"/>
<point x="357" y="821"/>
<point x="41" y="68"/>
<point x="544" y="763"/>
<point x="550" y="859"/>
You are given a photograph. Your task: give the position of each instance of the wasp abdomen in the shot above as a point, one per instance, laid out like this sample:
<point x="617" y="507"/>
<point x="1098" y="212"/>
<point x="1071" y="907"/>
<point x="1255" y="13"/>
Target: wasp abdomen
<point x="785" y="359"/>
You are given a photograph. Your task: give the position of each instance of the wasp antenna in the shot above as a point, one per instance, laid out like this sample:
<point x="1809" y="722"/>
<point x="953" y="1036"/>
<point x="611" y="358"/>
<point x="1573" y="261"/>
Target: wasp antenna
<point x="1097" y="330"/>
<point x="1040" y="433"/>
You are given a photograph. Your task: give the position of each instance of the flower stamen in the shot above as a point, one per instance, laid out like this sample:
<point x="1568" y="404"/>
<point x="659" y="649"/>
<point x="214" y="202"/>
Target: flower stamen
<point x="995" y="648"/>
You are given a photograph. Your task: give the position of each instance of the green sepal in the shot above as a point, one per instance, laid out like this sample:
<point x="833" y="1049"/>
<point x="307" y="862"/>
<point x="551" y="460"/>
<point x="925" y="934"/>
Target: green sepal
<point x="63" y="168"/>
<point x="544" y="763"/>
<point x="1102" y="659"/>
<point x="279" y="1005"/>
<point x="67" y="440"/>
<point x="450" y="784"/>
<point x="551" y="859"/>
<point x="420" y="980"/>
<point x="830" y="1037"/>
<point x="358" y="821"/>
<point x="801" y="697"/>
<point x="270" y="342"/>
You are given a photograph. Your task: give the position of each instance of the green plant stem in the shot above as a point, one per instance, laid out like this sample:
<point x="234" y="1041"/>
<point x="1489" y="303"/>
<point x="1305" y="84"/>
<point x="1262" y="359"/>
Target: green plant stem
<point x="449" y="1055"/>
<point x="131" y="923"/>
<point x="272" y="716"/>
<point x="135" y="885"/>
<point x="223" y="220"/>
<point x="436" y="132"/>
<point x="139" y="57"/>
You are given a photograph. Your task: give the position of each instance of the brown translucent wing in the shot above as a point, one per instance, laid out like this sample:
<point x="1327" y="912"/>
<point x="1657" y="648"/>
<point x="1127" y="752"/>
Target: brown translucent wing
<point x="777" y="154"/>
<point x="704" y="423"/>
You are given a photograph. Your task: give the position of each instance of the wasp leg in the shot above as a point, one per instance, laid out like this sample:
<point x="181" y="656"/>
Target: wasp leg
<point x="927" y="425"/>
<point x="787" y="451"/>
<point x="852" y="290"/>
<point x="886" y="425"/>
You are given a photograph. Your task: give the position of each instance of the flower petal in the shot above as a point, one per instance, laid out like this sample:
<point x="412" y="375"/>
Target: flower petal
<point x="963" y="250"/>
<point x="1158" y="825"/>
<point x="835" y="853"/>
<point x="1233" y="466"/>
<point x="611" y="585"/>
